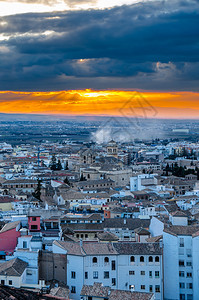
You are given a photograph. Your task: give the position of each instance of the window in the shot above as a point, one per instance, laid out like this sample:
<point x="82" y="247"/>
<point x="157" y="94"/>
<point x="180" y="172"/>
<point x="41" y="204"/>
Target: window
<point x="182" y="285"/>
<point x="157" y="289"/>
<point x="106" y="260"/>
<point x="150" y="288"/>
<point x="82" y="236"/>
<point x="25" y="245"/>
<point x="73" y="289"/>
<point x="132" y="287"/>
<point x="113" y="265"/>
<point x="157" y="259"/>
<point x="181" y="263"/>
<point x="34" y="227"/>
<point x="86" y="275"/>
<point x="142" y="287"/>
<point x="131" y="272"/>
<point x="86" y="235"/>
<point x="106" y="275"/>
<point x="189" y="263"/>
<point x="142" y="272"/>
<point x="94" y="260"/>
<point x="181" y="242"/>
<point x="73" y="275"/>
<point x="150" y="274"/>
<point x="189" y="285"/>
<point x="141" y="258"/>
<point x="132" y="259"/>
<point x="10" y="282"/>
<point x="77" y="235"/>
<point x="181" y="274"/>
<point x="150" y="259"/>
<point x="34" y="219"/>
<point x="95" y="275"/>
<point x="182" y="296"/>
<point x="29" y="272"/>
<point x="189" y="253"/>
<point x="189" y="297"/>
<point x="2" y="282"/>
<point x="189" y="274"/>
<point x="113" y="281"/>
<point x="157" y="274"/>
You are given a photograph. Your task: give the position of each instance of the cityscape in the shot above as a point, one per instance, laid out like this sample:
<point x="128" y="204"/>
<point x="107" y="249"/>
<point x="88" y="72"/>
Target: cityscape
<point x="99" y="150"/>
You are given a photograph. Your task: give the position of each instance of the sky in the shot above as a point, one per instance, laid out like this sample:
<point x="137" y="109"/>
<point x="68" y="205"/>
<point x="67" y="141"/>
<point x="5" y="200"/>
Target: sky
<point x="99" y="57"/>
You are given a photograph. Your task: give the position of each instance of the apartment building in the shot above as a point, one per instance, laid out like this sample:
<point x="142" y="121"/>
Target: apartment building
<point x="125" y="266"/>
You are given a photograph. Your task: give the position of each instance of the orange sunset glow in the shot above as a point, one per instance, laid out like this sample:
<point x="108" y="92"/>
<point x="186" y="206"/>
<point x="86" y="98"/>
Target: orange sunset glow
<point x="103" y="103"/>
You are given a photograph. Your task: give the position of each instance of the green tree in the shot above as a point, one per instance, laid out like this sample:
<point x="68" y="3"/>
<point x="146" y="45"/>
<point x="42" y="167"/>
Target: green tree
<point x="37" y="192"/>
<point x="66" y="180"/>
<point x="58" y="165"/>
<point x="82" y="178"/>
<point x="53" y="163"/>
<point x="66" y="166"/>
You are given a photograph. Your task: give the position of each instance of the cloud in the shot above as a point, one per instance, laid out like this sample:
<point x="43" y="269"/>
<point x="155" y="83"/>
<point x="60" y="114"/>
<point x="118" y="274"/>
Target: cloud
<point x="149" y="45"/>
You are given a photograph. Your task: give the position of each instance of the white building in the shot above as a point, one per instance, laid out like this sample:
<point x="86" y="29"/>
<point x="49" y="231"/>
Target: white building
<point x="13" y="272"/>
<point x="124" y="266"/>
<point x="181" y="262"/>
<point x="27" y="250"/>
<point x="137" y="183"/>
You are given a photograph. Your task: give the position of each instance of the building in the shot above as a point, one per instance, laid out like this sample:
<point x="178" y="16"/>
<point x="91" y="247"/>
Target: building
<point x="181" y="262"/>
<point x="88" y="262"/>
<point x="9" y="236"/>
<point x="13" y="272"/>
<point x="139" y="182"/>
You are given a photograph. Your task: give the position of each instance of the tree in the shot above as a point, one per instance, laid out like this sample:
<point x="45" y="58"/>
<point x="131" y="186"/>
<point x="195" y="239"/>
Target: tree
<point x="66" y="180"/>
<point x="37" y="192"/>
<point x="53" y="163"/>
<point x="82" y="178"/>
<point x="66" y="167"/>
<point x="58" y="165"/>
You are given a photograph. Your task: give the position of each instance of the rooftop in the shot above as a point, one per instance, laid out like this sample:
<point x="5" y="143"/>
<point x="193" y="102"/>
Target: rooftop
<point x="13" y="267"/>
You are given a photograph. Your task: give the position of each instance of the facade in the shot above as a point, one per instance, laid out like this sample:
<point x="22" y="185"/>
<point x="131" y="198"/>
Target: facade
<point x="13" y="272"/>
<point x="26" y="185"/>
<point x="137" y="183"/>
<point x="112" y="149"/>
<point x="9" y="236"/>
<point x="34" y="222"/>
<point x="139" y="263"/>
<point x="181" y="262"/>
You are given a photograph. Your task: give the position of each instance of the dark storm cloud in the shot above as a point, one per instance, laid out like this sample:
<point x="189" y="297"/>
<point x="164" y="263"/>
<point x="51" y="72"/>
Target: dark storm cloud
<point x="152" y="45"/>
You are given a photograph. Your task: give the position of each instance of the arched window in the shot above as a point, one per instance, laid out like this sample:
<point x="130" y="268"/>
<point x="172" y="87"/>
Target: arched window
<point x="157" y="259"/>
<point x="106" y="260"/>
<point x="141" y="258"/>
<point x="132" y="258"/>
<point x="150" y="259"/>
<point x="94" y="260"/>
